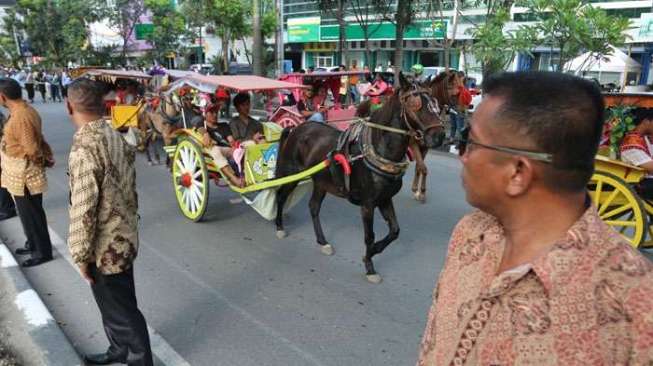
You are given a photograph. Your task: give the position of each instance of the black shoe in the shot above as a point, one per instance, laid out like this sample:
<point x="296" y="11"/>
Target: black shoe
<point x="7" y="215"/>
<point x="35" y="262"/>
<point x="24" y="251"/>
<point x="103" y="359"/>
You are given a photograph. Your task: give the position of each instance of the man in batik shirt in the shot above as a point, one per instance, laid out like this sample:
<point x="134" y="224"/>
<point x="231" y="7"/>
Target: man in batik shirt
<point x="534" y="277"/>
<point x="103" y="234"/>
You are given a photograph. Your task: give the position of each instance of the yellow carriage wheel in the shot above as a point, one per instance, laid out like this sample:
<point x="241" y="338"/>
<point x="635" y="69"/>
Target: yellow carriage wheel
<point x="619" y="206"/>
<point x="190" y="179"/>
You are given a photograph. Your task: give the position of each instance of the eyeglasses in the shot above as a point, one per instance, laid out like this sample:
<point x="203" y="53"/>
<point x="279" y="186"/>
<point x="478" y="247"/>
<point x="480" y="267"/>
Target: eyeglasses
<point x="466" y="141"/>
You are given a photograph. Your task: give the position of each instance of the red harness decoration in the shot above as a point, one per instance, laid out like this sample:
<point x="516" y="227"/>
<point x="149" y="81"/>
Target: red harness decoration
<point x="634" y="140"/>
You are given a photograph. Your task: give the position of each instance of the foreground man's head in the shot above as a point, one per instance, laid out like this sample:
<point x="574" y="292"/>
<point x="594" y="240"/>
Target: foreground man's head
<point x="534" y="136"/>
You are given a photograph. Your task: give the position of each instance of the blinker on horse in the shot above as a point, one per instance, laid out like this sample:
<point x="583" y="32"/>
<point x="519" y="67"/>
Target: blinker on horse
<point x="376" y="151"/>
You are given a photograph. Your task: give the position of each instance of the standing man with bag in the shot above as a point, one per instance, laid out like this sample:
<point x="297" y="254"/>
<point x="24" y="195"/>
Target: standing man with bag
<point x="103" y="234"/>
<point x="24" y="155"/>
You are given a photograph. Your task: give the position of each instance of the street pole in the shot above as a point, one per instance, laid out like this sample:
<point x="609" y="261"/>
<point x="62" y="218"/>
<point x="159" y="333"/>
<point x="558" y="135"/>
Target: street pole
<point x="279" y="37"/>
<point x="257" y="52"/>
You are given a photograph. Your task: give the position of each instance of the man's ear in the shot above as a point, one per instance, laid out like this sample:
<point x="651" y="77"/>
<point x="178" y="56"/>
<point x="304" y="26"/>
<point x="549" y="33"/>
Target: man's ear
<point x="69" y="107"/>
<point x="522" y="175"/>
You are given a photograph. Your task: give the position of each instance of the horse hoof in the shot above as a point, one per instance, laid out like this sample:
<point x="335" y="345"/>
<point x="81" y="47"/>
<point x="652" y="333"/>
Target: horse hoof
<point x="150" y="163"/>
<point x="281" y="234"/>
<point x="374" y="278"/>
<point x="420" y="197"/>
<point x="327" y="249"/>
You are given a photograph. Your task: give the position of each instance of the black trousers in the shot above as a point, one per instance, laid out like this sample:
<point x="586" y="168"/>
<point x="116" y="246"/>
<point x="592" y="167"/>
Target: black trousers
<point x="35" y="225"/>
<point x="7" y="206"/>
<point x="123" y="323"/>
<point x="30" y="91"/>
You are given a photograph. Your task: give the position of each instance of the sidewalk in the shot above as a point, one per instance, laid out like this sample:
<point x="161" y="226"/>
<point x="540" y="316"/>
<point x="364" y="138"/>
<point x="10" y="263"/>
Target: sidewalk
<point x="27" y="329"/>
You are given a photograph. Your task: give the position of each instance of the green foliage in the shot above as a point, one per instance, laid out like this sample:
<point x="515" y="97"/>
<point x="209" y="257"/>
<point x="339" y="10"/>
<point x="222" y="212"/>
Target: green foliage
<point x="495" y="47"/>
<point x="57" y="30"/>
<point x="574" y="26"/>
<point x="169" y="29"/>
<point x="619" y="122"/>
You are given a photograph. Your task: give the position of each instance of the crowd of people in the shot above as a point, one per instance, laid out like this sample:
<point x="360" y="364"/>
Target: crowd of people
<point x="51" y="85"/>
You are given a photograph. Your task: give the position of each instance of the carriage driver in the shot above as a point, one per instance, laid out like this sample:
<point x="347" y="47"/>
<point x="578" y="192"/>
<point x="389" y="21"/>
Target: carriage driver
<point x="636" y="149"/>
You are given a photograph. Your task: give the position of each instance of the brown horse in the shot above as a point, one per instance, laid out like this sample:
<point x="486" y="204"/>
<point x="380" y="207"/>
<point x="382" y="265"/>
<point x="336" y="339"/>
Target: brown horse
<point x="444" y="88"/>
<point x="158" y="122"/>
<point x="377" y="151"/>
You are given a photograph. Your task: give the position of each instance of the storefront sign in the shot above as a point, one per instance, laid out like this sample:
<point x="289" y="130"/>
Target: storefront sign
<point x="645" y="28"/>
<point x="386" y="31"/>
<point x="303" y="29"/>
<point x="142" y="31"/>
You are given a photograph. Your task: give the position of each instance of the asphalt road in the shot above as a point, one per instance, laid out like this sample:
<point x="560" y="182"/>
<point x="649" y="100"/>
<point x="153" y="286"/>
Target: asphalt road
<point x="228" y="292"/>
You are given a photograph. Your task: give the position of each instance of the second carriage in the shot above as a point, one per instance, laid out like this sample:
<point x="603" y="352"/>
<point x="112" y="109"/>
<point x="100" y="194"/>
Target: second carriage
<point x="614" y="185"/>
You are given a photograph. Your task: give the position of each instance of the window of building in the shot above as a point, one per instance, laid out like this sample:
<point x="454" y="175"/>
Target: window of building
<point x="323" y="61"/>
<point x="392" y="44"/>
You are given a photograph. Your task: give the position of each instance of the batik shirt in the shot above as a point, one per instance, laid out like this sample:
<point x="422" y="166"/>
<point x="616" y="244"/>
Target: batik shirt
<point x="23" y="152"/>
<point x="588" y="301"/>
<point x="104" y="203"/>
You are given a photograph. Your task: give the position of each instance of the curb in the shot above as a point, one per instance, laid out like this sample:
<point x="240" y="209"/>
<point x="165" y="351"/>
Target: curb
<point x="42" y="328"/>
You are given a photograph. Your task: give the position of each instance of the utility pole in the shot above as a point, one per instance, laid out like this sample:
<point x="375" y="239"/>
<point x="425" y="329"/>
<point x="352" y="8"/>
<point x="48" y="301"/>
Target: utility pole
<point x="279" y="38"/>
<point x="257" y="52"/>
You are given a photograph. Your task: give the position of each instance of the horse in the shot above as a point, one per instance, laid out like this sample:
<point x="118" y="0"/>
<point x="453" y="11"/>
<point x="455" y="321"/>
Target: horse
<point x="159" y="120"/>
<point x="444" y="88"/>
<point x="378" y="149"/>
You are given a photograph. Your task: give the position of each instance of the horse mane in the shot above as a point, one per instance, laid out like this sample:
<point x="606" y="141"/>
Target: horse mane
<point x="384" y="114"/>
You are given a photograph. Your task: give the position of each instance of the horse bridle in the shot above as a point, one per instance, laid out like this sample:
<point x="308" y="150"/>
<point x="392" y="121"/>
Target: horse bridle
<point x="410" y="115"/>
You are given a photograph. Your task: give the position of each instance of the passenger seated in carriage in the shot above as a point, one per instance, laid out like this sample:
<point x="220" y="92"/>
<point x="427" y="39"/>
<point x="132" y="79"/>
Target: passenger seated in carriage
<point x="378" y="88"/>
<point x="309" y="108"/>
<point x="636" y="149"/>
<point x="243" y="131"/>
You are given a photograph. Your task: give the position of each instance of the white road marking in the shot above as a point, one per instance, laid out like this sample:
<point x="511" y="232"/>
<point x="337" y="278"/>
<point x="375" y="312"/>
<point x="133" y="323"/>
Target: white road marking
<point x="160" y="348"/>
<point x="34" y="311"/>
<point x="6" y="259"/>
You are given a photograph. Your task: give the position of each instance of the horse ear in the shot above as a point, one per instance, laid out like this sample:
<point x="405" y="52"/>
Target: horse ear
<point x="403" y="81"/>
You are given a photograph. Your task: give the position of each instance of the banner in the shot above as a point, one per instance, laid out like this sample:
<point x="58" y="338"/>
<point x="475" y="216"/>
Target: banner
<point x="303" y="29"/>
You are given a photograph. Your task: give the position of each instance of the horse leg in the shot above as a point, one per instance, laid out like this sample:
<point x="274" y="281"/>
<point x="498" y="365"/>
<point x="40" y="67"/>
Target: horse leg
<point x="367" y="214"/>
<point x="414" y="187"/>
<point x="388" y="212"/>
<point x="421" y="194"/>
<point x="282" y="196"/>
<point x="314" y="205"/>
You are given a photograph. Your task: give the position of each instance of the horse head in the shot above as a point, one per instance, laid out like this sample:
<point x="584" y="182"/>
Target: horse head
<point x="421" y="112"/>
<point x="445" y="87"/>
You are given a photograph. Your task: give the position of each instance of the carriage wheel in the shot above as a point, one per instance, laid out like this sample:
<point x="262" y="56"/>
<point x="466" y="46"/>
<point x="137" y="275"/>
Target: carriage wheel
<point x="619" y="206"/>
<point x="289" y="121"/>
<point x="190" y="179"/>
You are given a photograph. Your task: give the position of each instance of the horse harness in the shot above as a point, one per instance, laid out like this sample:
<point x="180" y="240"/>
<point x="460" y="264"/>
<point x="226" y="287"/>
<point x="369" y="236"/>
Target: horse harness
<point x="356" y="142"/>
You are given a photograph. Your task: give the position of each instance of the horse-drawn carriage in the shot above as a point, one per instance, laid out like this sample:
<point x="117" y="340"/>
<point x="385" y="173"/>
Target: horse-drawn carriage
<point x="124" y="115"/>
<point x="336" y="113"/>
<point x="613" y="187"/>
<point x="193" y="167"/>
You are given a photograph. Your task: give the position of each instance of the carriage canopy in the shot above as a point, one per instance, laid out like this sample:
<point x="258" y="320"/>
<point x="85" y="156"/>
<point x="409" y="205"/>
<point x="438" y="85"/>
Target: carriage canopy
<point x="237" y="83"/>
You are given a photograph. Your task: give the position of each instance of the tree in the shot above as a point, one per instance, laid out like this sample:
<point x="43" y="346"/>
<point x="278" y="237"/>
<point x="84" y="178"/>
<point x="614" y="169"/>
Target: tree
<point x="56" y="30"/>
<point x="195" y="17"/>
<point x="369" y="16"/>
<point x="169" y="29"/>
<point x="257" y="36"/>
<point x="404" y="16"/>
<point x="574" y="26"/>
<point x="123" y="17"/>
<point x="338" y="10"/>
<point x="495" y="47"/>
